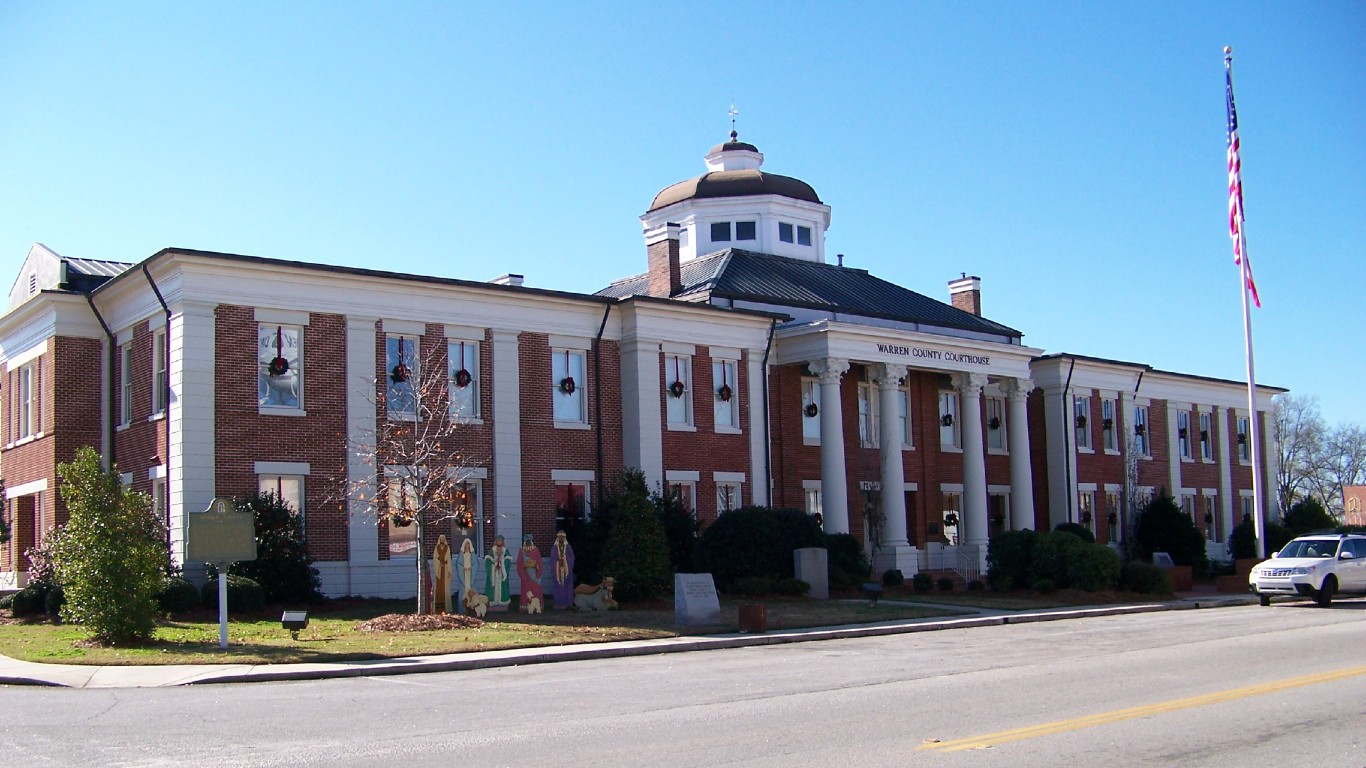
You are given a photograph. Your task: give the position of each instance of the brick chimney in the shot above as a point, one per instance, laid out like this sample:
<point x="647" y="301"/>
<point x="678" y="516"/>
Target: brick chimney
<point x="966" y="293"/>
<point x="661" y="248"/>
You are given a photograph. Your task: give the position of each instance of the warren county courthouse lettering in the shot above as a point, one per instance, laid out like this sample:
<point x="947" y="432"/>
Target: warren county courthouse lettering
<point x="743" y="366"/>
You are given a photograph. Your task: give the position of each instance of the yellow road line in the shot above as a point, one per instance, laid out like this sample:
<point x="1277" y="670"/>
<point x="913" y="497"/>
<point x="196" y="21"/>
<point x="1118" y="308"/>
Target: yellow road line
<point x="1103" y="718"/>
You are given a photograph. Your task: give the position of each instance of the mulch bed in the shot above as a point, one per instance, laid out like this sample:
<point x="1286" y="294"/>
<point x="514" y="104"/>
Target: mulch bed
<point x="411" y="622"/>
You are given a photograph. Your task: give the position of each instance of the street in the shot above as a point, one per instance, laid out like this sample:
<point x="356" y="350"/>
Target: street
<point x="1239" y="686"/>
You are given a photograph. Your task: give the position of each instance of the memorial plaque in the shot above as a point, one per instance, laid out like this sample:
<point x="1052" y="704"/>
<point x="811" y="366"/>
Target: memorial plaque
<point x="220" y="534"/>
<point x="809" y="565"/>
<point x="695" y="601"/>
<point x="1163" y="560"/>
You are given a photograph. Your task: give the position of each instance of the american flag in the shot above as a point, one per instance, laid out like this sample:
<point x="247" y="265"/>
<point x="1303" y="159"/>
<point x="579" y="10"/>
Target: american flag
<point x="1235" y="193"/>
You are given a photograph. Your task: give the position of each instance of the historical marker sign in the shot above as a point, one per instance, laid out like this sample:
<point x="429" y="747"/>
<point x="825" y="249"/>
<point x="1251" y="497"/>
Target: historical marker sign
<point x="220" y="534"/>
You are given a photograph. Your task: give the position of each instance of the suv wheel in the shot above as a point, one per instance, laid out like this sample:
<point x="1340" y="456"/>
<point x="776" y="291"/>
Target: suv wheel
<point x="1325" y="596"/>
<point x="1264" y="599"/>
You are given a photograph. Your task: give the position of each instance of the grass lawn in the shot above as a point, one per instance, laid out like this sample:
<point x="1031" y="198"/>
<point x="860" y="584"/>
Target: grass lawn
<point x="332" y="636"/>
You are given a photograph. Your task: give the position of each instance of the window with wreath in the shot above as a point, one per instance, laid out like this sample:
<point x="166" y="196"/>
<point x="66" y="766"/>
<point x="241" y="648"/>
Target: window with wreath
<point x="1141" y="438"/>
<point x="400" y="375"/>
<point x="678" y="390"/>
<point x="726" y="398"/>
<point x="1244" y="440"/>
<point x="1108" y="424"/>
<point x="279" y="366"/>
<point x="463" y="378"/>
<point x="1081" y="421"/>
<point x="1183" y="434"/>
<point x="996" y="424"/>
<point x="948" y="421"/>
<point x="401" y="513"/>
<point x="569" y="382"/>
<point x="811" y="421"/>
<point x="1206" y="437"/>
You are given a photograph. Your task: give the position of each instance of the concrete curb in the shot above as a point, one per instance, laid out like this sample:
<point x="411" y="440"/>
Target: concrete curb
<point x="15" y="672"/>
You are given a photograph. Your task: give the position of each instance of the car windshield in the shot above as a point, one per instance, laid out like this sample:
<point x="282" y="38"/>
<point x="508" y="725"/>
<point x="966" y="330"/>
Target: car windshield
<point x="1310" y="548"/>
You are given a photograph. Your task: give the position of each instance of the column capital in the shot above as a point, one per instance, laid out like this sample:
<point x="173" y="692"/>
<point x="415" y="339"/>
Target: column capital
<point x="887" y="375"/>
<point x="1017" y="388"/>
<point x="970" y="384"/>
<point x="829" y="370"/>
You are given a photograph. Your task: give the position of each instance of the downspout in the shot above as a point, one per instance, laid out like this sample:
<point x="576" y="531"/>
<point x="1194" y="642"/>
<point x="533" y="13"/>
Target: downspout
<point x="768" y="444"/>
<point x="166" y="401"/>
<point x="112" y="455"/>
<point x="597" y="390"/>
<point x="1066" y="438"/>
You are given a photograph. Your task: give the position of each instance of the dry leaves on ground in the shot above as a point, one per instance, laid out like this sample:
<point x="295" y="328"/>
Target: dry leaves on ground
<point x="413" y="622"/>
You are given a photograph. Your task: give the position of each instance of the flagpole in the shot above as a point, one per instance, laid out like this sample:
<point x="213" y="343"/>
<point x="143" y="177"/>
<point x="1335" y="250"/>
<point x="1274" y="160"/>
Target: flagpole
<point x="1254" y="421"/>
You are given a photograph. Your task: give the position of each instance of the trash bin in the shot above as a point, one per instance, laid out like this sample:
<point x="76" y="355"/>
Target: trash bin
<point x="753" y="618"/>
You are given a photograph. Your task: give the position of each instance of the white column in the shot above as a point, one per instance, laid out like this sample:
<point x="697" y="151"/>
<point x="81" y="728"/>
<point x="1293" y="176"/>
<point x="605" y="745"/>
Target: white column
<point x="507" y="435"/>
<point x="191" y="482"/>
<point x="362" y="529"/>
<point x="754" y="401"/>
<point x="1021" y="471"/>
<point x="1271" y="468"/>
<point x="974" y="531"/>
<point x="1174" y="452"/>
<point x="893" y="477"/>
<point x="834" y="486"/>
<point x="641" y="414"/>
<point x="1226" y="449"/>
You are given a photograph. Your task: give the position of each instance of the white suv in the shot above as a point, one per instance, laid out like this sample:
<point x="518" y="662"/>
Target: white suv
<point x="1317" y="566"/>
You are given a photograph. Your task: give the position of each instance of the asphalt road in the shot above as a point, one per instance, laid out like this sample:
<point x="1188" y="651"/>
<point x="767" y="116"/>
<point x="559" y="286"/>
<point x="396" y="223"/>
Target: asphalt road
<point x="1246" y="686"/>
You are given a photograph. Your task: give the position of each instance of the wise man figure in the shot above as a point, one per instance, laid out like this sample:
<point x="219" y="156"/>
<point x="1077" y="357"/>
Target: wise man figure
<point x="562" y="571"/>
<point x="441" y="576"/>
<point x="497" y="567"/>
<point x="529" y="571"/>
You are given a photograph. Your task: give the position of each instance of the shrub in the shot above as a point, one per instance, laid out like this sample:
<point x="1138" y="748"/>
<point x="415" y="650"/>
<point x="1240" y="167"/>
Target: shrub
<point x="1163" y="527"/>
<point x="6" y="601"/>
<point x="1093" y="567"/>
<point x="244" y="594"/>
<point x="1042" y="586"/>
<point x="42" y="567"/>
<point x="680" y="529"/>
<point x="1008" y="558"/>
<point x="111" y="556"/>
<point x="56" y="598"/>
<point x="945" y="584"/>
<point x="976" y="585"/>
<point x="922" y="582"/>
<point x="753" y="585"/>
<point x="757" y="541"/>
<point x="178" y="595"/>
<point x="1277" y="536"/>
<point x="29" y="601"/>
<point x="791" y="587"/>
<point x="846" y="558"/>
<point x="1145" y="579"/>
<point x="1242" y="542"/>
<point x="637" y="551"/>
<point x="1307" y="516"/>
<point x="282" y="566"/>
<point x="1078" y="530"/>
<point x="1050" y="555"/>
<point x="893" y="577"/>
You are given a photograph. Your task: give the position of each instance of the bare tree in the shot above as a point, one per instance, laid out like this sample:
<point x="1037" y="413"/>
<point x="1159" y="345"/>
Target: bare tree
<point x="1299" y="437"/>
<point x="417" y="469"/>
<point x="1343" y="464"/>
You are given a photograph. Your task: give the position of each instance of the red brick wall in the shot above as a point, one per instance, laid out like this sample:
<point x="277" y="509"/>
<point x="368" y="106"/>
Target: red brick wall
<point x="705" y="451"/>
<point x="142" y="444"/>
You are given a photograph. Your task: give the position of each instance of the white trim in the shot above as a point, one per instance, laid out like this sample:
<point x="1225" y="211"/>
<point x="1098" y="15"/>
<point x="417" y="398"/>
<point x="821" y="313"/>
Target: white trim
<point x="26" y="489"/>
<point x="811" y="485"/>
<point x="728" y="477"/>
<point x="282" y="468"/>
<point x="156" y="472"/>
<point x="724" y="353"/>
<point x="572" y="475"/>
<point x="1001" y="488"/>
<point x="582" y="343"/>
<point x="281" y="316"/>
<point x="123" y="337"/>
<point x="1209" y="491"/>
<point x="950" y="487"/>
<point x="464" y="333"/>
<point x="1113" y="488"/>
<point x="678" y="348"/>
<point x="156" y="322"/>
<point x="1086" y="487"/>
<point x="28" y="355"/>
<point x="392" y="327"/>
<point x="684" y="476"/>
<point x="463" y="474"/>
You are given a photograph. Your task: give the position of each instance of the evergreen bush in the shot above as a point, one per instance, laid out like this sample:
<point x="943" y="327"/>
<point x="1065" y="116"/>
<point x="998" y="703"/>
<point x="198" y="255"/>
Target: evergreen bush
<point x="244" y="594"/>
<point x="756" y="541"/>
<point x="847" y="562"/>
<point x="922" y="582"/>
<point x="1093" y="567"/>
<point x="1145" y="579"/>
<point x="636" y="554"/>
<point x="791" y="587"/>
<point x="282" y="566"/>
<point x="178" y="595"/>
<point x="29" y="601"/>
<point x="1078" y="530"/>
<point x="892" y="577"/>
<point x="945" y="584"/>
<point x="753" y="585"/>
<point x="1242" y="542"/>
<point x="1163" y="527"/>
<point x="6" y="601"/>
<point x="1308" y="516"/>
<point x="1043" y="586"/>
<point x="53" y="602"/>
<point x="680" y="529"/>
<point x="976" y="585"/>
<point x="1008" y="557"/>
<point x="1049" y="557"/>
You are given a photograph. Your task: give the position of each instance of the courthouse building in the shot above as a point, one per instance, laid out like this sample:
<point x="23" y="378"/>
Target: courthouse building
<point x="740" y="367"/>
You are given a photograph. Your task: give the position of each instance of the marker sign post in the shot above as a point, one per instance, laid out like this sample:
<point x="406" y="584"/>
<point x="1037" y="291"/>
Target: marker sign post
<point x="223" y="536"/>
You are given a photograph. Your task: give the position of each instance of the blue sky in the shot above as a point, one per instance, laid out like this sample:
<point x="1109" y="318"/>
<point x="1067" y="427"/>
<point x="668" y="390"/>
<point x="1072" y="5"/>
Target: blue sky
<point x="1070" y="154"/>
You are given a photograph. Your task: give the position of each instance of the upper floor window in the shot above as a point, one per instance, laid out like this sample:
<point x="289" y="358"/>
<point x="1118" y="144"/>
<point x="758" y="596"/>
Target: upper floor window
<point x="720" y="231"/>
<point x="996" y="424"/>
<point x="1081" y="415"/>
<point x="1183" y="433"/>
<point x="1206" y="438"/>
<point x="463" y="378"/>
<point x="811" y="421"/>
<point x="1141" y="443"/>
<point x="1108" y="424"/>
<point x="125" y="384"/>
<point x="280" y="366"/>
<point x="726" y="407"/>
<point x="158" y="371"/>
<point x="569" y="380"/>
<point x="400" y="375"/>
<point x="678" y="389"/>
<point x="903" y="416"/>
<point x="745" y="230"/>
<point x="788" y="233"/>
<point x="1244" y="439"/>
<point x="868" y="413"/>
<point x="948" y="420"/>
<point x="26" y="402"/>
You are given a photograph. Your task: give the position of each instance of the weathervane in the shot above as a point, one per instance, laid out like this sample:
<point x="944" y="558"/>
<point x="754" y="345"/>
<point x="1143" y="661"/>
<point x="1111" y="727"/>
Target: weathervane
<point x="733" y="113"/>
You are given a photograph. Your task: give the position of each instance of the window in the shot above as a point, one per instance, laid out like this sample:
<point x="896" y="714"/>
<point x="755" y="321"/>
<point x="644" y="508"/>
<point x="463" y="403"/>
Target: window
<point x="1206" y="438"/>
<point x="286" y="488"/>
<point x="903" y="416"/>
<point x="1244" y="440"/>
<point x="813" y="504"/>
<point x="785" y="232"/>
<point x="1183" y="434"/>
<point x="726" y="405"/>
<point x="463" y="378"/>
<point x="126" y="384"/>
<point x="159" y="371"/>
<point x="1245" y="505"/>
<point x="1081" y="419"/>
<point x="727" y="497"/>
<point x="678" y="390"/>
<point x="996" y="424"/>
<point x="466" y="508"/>
<point x="1086" y="509"/>
<point x="1141" y="443"/>
<point x="401" y="510"/>
<point x="745" y="230"/>
<point x="571" y="505"/>
<point x="25" y="398"/>
<point x="803" y="235"/>
<point x="811" y="420"/>
<point x="1112" y="516"/>
<point x="953" y="510"/>
<point x="720" y="231"/>
<point x="280" y="366"/>
<point x="684" y="494"/>
<point x="1108" y="425"/>
<point x="868" y="413"/>
<point x="1210" y="522"/>
<point x="400" y="375"/>
<point x="998" y="513"/>
<point x="568" y="382"/>
<point x="948" y="420"/>
<point x="159" y="498"/>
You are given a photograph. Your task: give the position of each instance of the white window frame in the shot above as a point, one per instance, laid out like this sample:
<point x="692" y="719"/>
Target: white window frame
<point x="463" y="402"/>
<point x="811" y="425"/>
<point x="1086" y="507"/>
<point x="402" y="480"/>
<point x="811" y="499"/>
<point x="1183" y="443"/>
<point x="1109" y="411"/>
<point x="570" y="410"/>
<point x="725" y="413"/>
<point x="804" y="233"/>
<point x="678" y="411"/>
<point x="1113" y="507"/>
<point x="289" y="385"/>
<point x="729" y="497"/>
<point x="869" y="415"/>
<point x="904" y="418"/>
<point x="26" y="399"/>
<point x="400" y="397"/>
<point x="950" y="436"/>
<point x="1142" y="442"/>
<point x="997" y="439"/>
<point x="158" y="372"/>
<point x="1244" y="445"/>
<point x="289" y="488"/>
<point x="952" y="503"/>
<point x="730" y="234"/>
<point x="735" y="233"/>
<point x="1081" y="423"/>
<point x="576" y="482"/>
<point x="1206" y="437"/>
<point x="791" y="232"/>
<point x="125" y="384"/>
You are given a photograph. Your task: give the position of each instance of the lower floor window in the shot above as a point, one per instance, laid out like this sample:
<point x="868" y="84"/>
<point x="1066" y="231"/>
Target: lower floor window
<point x="286" y="488"/>
<point x="683" y="494"/>
<point x="571" y="505"/>
<point x="727" y="497"/>
<point x="953" y="510"/>
<point x="813" y="505"/>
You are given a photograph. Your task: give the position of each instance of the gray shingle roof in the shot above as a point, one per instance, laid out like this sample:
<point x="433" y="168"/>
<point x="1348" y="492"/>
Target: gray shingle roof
<point x="763" y="278"/>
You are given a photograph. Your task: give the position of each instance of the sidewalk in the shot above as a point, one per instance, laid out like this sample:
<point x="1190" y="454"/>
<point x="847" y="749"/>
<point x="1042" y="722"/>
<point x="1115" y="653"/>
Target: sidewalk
<point x="13" y="671"/>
